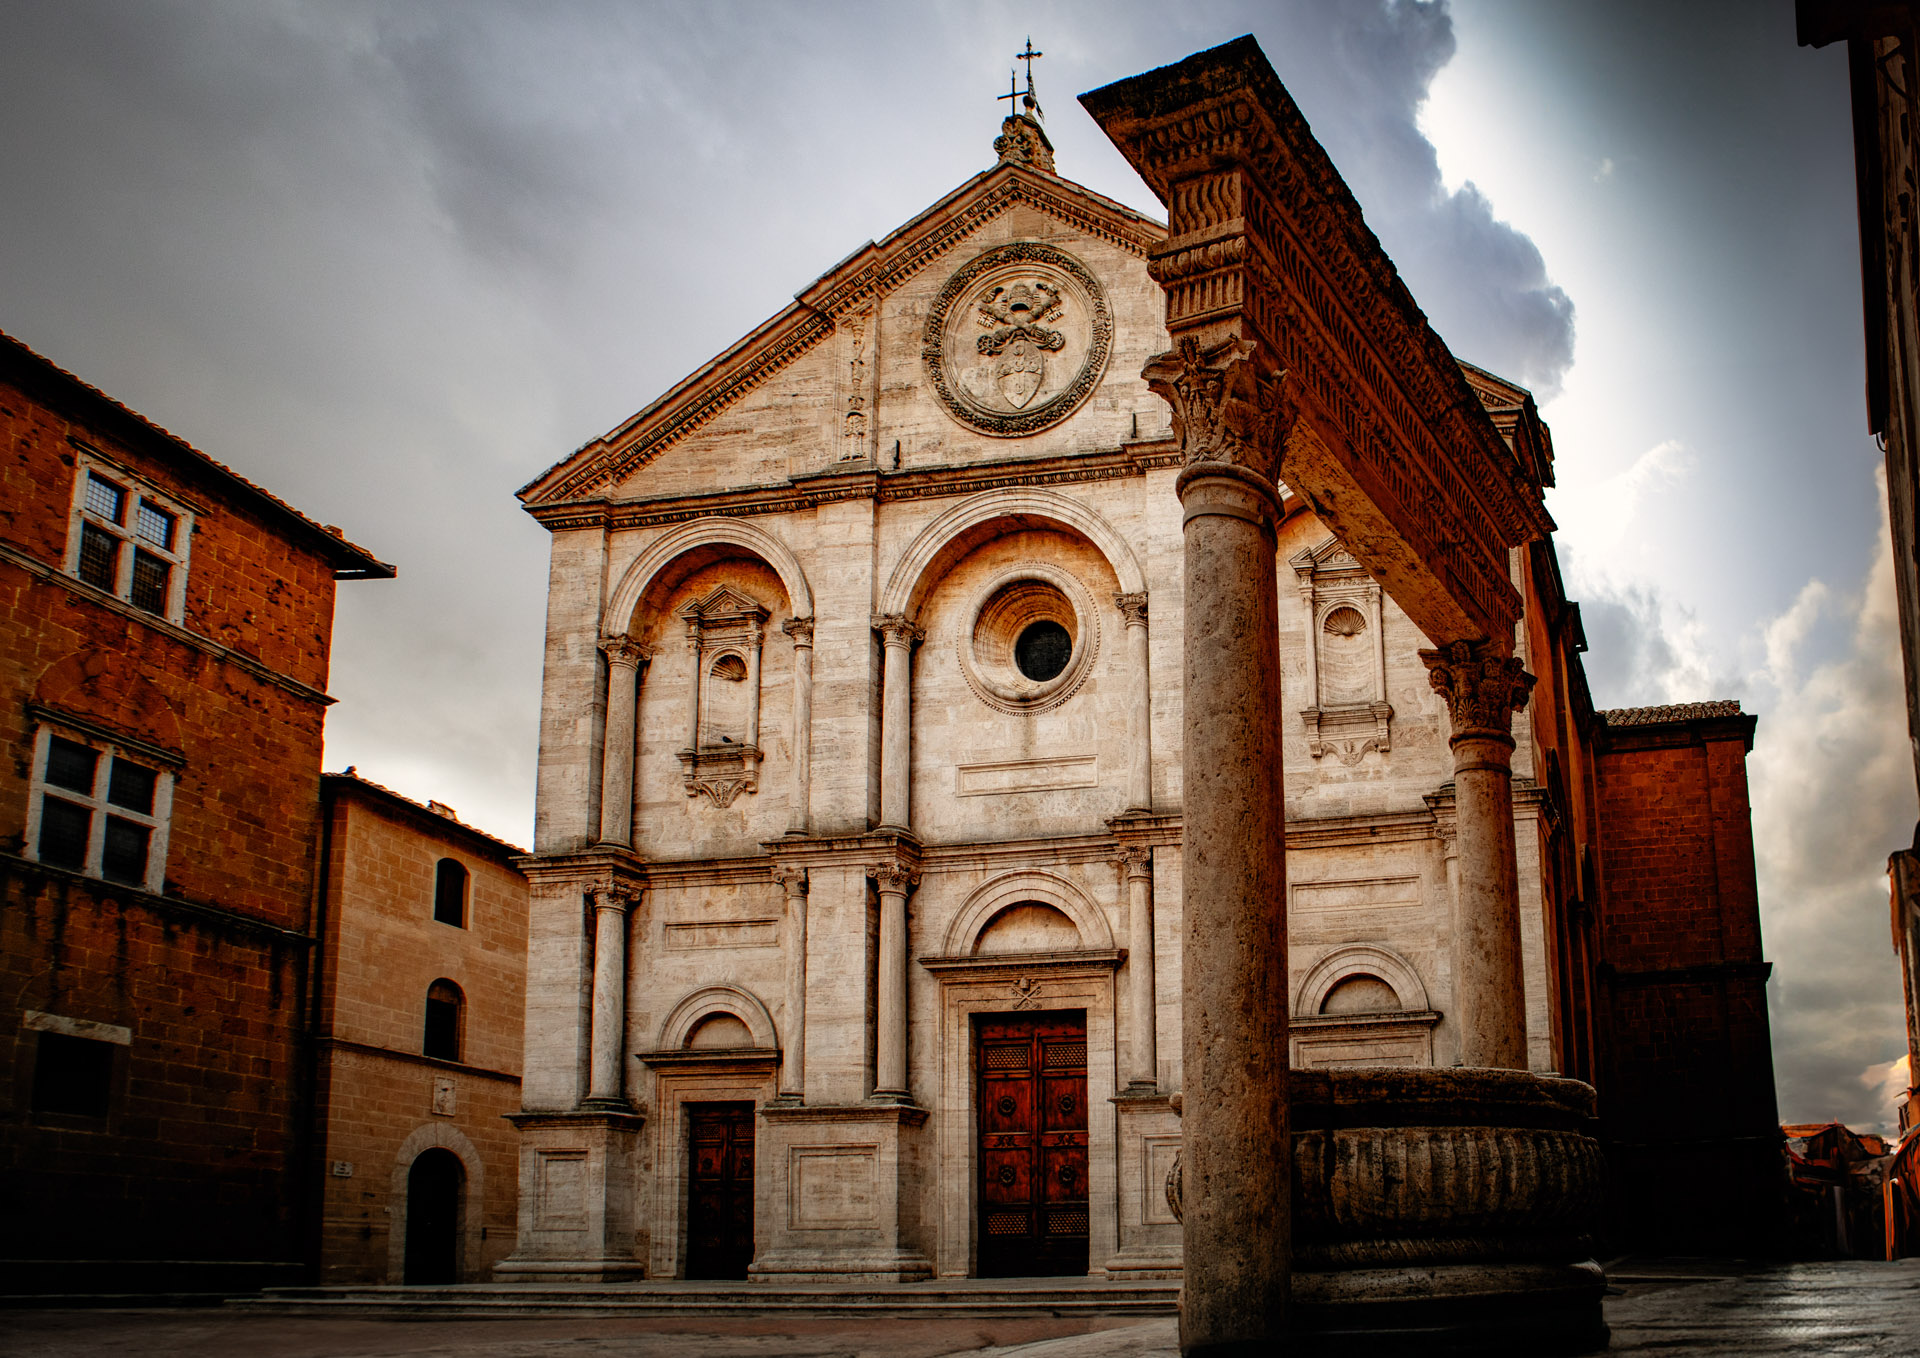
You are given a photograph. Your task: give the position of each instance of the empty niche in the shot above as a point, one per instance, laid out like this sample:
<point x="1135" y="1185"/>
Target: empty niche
<point x="1028" y="926"/>
<point x="1348" y="714"/>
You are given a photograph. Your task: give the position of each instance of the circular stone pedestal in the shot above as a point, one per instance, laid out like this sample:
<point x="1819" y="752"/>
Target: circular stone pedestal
<point x="1444" y="1211"/>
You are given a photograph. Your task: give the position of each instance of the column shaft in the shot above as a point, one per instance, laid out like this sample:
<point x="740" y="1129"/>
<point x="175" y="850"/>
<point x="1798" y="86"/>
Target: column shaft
<point x="1143" y="1056"/>
<point x="890" y="1035"/>
<point x="793" y="1053"/>
<point x="605" y="1081"/>
<point x="1139" y="704"/>
<point x="896" y="719"/>
<point x="616" y="763"/>
<point x="800" y="803"/>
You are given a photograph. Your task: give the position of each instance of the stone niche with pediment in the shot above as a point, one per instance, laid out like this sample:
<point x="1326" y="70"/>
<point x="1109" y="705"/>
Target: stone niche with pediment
<point x="1346" y="656"/>
<point x="726" y="631"/>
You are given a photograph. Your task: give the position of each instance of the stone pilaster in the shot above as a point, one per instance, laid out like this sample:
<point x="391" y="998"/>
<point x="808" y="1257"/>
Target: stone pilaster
<point x="800" y="807"/>
<point x="625" y="657"/>
<point x="892" y="879"/>
<point x="1133" y="607"/>
<point x="1143" y="1051"/>
<point x="1484" y="686"/>
<point x="898" y="635"/>
<point x="793" y="1063"/>
<point x="1231" y="414"/>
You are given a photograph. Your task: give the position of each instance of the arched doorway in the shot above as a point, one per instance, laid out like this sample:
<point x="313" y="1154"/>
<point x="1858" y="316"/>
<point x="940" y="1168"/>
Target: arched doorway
<point x="433" y="1217"/>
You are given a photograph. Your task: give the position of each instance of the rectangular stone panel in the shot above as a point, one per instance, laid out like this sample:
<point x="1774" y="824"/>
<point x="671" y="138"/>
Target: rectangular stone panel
<point x="1155" y="1164"/>
<point x="832" y="1187"/>
<point x="562" y="1204"/>
<point x="1025" y="775"/>
<point x="1359" y="893"/>
<point x="733" y="933"/>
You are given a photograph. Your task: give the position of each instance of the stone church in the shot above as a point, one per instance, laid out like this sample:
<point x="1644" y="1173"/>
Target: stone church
<point x="856" y="896"/>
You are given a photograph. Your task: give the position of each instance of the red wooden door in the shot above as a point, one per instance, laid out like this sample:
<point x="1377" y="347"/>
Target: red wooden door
<point x="719" y="1190"/>
<point x="1032" y="1071"/>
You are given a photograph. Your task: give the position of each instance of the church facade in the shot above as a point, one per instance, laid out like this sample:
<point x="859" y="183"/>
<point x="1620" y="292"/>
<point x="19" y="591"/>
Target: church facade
<point x="855" y="923"/>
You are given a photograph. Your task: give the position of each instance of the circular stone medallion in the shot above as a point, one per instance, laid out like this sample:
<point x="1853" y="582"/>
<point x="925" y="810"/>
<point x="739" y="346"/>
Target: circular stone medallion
<point x="1017" y="339"/>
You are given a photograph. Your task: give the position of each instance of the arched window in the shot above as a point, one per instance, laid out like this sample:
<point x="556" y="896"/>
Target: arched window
<point x="450" y="893"/>
<point x="444" y="1012"/>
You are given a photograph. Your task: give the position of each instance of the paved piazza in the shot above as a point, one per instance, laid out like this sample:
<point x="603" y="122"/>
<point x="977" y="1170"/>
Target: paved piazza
<point x="1847" y="1309"/>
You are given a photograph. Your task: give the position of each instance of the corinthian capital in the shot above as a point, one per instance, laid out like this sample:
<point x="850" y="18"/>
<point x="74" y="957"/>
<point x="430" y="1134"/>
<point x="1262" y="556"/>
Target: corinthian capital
<point x="1133" y="607"/>
<point x="1226" y="407"/>
<point x="897" y="629"/>
<point x="624" y="650"/>
<point x="894" y="876"/>
<point x="1483" y="687"/>
<point x="800" y="629"/>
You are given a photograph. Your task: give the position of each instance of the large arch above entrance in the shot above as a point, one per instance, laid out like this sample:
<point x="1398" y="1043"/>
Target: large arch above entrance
<point x="708" y="532"/>
<point x="717" y="999"/>
<point x="446" y="1137"/>
<point x="1047" y="888"/>
<point x="914" y="573"/>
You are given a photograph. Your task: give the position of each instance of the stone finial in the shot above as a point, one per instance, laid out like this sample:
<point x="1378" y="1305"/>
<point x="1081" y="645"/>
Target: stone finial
<point x="1022" y="141"/>
<point x="1483" y="687"/>
<point x="1225" y="407"/>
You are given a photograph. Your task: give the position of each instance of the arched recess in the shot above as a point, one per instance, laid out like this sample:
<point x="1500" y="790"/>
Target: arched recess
<point x="1047" y="888"/>
<point x="1361" y="959"/>
<point x="717" y="999"/>
<point x="429" y="1136"/>
<point x="677" y="542"/>
<point x="916" y="571"/>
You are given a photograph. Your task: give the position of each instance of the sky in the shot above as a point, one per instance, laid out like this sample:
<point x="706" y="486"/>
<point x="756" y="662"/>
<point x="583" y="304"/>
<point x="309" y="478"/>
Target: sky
<point x="393" y="260"/>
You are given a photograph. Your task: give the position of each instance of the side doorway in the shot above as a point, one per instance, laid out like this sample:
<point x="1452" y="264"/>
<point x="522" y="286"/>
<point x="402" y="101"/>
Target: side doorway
<point x="434" y="1190"/>
<point x="719" y="1190"/>
<point x="1031" y="1094"/>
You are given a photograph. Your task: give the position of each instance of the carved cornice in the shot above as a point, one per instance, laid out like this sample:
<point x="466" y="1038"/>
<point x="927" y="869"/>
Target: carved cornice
<point x="1226" y="406"/>
<point x="1483" y="687"/>
<point x="1133" y="607"/>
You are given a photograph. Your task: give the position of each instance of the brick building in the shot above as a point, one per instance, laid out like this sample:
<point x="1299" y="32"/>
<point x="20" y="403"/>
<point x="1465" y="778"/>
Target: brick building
<point x="418" y="1017"/>
<point x="164" y="635"/>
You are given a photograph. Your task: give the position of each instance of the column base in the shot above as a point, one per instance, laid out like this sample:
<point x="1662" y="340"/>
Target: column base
<point x="579" y="1174"/>
<point x="1481" y="1308"/>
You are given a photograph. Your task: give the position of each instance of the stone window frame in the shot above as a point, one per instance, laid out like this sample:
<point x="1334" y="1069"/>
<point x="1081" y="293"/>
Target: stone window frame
<point x="1329" y="579"/>
<point x="725" y="622"/>
<point x="136" y="492"/>
<point x="158" y="822"/>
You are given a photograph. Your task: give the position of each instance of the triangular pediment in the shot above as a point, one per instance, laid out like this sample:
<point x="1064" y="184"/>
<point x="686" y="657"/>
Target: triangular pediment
<point x="1327" y="558"/>
<point x="820" y="309"/>
<point x="722" y="603"/>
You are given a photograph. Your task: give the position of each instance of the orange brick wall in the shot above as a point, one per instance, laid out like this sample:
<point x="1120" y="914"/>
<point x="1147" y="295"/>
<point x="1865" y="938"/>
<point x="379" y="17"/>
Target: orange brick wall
<point x="384" y="949"/>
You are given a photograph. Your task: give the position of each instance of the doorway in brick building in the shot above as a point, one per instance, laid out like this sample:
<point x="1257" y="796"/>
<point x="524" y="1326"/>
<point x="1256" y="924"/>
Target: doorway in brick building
<point x="433" y="1218"/>
<point x="1032" y="1092"/>
<point x="719" y="1190"/>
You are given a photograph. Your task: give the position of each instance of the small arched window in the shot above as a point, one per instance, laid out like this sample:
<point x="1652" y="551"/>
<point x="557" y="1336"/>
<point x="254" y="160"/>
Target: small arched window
<point x="450" y="893"/>
<point x="445" y="1009"/>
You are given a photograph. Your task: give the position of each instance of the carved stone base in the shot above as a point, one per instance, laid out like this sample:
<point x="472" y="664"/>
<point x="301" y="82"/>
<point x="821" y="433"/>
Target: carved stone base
<point x="577" y="1181"/>
<point x="840" y="1204"/>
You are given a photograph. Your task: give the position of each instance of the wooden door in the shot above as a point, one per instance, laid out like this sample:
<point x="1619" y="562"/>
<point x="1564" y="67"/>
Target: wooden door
<point x="719" y="1190"/>
<point x="1032" y="1091"/>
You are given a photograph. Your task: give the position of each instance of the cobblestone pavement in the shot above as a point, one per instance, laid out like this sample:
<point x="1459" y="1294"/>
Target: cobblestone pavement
<point x="1817" y="1310"/>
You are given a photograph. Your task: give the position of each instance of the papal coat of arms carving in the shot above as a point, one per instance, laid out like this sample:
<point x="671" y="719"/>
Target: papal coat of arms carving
<point x="1018" y="338"/>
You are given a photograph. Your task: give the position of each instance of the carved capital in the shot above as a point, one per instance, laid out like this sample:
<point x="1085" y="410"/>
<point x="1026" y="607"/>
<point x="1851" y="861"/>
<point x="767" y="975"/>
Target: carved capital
<point x="800" y="629"/>
<point x="896" y="629"/>
<point x="625" y="650"/>
<point x="1483" y="687"/>
<point x="1133" y="607"/>
<point x="618" y="896"/>
<point x="1133" y="860"/>
<point x="894" y="876"/>
<point x="1226" y="407"/>
<point x="793" y="880"/>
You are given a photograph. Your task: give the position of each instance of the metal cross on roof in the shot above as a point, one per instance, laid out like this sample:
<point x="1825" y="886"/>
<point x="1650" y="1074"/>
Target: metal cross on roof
<point x="1012" y="95"/>
<point x="1032" y="104"/>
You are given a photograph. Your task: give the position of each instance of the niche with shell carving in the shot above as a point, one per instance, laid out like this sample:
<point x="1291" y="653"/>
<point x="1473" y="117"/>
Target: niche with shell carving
<point x="726" y="631"/>
<point x="1346" y="656"/>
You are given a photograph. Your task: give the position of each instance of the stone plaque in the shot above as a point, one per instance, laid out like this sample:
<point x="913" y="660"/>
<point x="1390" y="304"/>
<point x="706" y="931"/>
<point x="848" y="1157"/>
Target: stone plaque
<point x="832" y="1187"/>
<point x="443" y="1098"/>
<point x="1017" y="339"/>
<point x="561" y="1201"/>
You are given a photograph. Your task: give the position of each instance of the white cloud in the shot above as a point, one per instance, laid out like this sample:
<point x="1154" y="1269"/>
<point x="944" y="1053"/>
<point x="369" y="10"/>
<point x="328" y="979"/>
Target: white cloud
<point x="1889" y="1081"/>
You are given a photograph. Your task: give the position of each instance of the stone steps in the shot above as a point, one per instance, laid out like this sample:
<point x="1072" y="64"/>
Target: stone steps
<point x="1013" y="1297"/>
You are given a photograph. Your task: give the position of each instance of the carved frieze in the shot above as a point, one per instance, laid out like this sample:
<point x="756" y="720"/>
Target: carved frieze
<point x="1017" y="339"/>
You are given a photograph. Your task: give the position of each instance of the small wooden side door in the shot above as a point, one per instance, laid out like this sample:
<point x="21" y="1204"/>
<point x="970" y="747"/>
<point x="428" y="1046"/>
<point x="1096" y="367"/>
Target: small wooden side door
<point x="719" y="1190"/>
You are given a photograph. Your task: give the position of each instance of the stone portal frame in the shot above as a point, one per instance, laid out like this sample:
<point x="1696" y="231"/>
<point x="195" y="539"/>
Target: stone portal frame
<point x="437" y="1136"/>
<point x="732" y="1077"/>
<point x="1048" y="888"/>
<point x="998" y="983"/>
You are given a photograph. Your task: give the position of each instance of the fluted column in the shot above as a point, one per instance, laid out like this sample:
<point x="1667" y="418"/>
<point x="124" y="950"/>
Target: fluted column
<point x="896" y="716"/>
<point x="1484" y="686"/>
<point x="793" y="1046"/>
<point x="800" y="804"/>
<point x="893" y="881"/>
<point x="1231" y="415"/>
<point x="1139" y="704"/>
<point x="624" y="658"/>
<point x="606" y="1083"/>
<point x="1143" y="1053"/>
